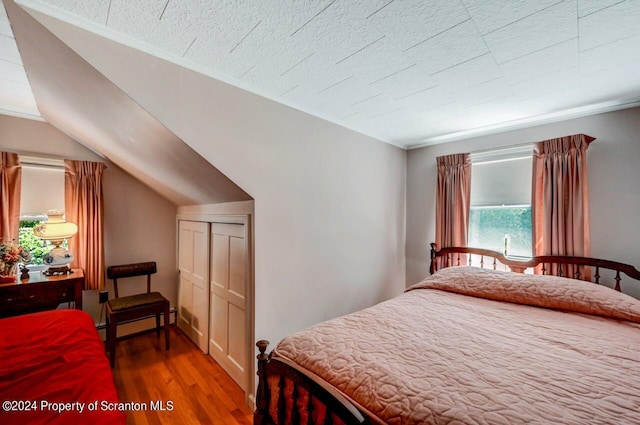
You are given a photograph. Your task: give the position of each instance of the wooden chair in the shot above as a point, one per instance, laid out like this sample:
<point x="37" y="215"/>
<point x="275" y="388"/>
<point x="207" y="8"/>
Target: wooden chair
<point x="134" y="307"/>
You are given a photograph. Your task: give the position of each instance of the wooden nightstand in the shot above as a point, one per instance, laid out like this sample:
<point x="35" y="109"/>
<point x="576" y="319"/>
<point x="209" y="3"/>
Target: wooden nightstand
<point x="41" y="293"/>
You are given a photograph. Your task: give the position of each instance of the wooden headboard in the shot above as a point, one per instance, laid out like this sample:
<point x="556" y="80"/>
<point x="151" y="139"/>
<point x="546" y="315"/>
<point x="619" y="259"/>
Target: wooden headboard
<point x="584" y="268"/>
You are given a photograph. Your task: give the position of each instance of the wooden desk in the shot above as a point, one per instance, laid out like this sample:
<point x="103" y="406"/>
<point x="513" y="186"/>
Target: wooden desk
<point x="41" y="293"/>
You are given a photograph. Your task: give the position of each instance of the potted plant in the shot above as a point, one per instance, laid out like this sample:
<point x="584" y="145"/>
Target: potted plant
<point x="11" y="254"/>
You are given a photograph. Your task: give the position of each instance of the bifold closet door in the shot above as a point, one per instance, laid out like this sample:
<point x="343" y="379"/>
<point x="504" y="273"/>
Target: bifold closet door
<point x="193" y="263"/>
<point x="228" y="303"/>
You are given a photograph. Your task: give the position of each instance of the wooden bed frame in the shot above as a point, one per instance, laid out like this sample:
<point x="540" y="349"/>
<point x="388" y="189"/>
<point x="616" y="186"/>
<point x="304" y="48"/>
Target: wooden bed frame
<point x="589" y="268"/>
<point x="339" y="407"/>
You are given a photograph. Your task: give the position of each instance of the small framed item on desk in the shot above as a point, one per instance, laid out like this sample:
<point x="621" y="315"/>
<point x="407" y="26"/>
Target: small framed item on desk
<point x="24" y="272"/>
<point x="40" y="293"/>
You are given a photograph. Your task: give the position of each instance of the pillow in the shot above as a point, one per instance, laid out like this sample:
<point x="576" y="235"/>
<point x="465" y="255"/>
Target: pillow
<point x="536" y="290"/>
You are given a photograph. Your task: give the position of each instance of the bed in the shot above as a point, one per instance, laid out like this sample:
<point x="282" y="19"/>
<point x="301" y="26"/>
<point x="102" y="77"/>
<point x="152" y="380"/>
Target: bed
<point x="52" y="368"/>
<point x="478" y="341"/>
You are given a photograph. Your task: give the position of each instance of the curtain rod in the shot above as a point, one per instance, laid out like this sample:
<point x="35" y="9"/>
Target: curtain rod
<point x="509" y="153"/>
<point x="502" y="148"/>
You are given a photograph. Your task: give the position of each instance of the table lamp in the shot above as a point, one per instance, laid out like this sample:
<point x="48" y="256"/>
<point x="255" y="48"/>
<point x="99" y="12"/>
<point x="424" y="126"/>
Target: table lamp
<point x="56" y="230"/>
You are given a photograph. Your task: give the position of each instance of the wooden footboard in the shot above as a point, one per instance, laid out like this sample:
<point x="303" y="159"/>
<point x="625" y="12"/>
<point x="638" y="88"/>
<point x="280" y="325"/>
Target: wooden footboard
<point x="287" y="394"/>
<point x="583" y="268"/>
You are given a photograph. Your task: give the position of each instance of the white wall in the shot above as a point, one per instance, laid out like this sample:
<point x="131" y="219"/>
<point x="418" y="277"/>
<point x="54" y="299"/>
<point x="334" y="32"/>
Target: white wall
<point x="614" y="176"/>
<point x="329" y="202"/>
<point x="37" y="137"/>
<point x="139" y="224"/>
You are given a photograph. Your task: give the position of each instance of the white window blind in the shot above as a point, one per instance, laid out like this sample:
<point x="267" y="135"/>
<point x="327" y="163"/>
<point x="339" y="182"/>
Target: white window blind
<point x="500" y="216"/>
<point x="42" y="187"/>
<point x="501" y="177"/>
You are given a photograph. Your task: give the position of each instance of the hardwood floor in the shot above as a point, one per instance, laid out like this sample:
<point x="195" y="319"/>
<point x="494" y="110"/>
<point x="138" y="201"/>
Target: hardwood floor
<point x="200" y="391"/>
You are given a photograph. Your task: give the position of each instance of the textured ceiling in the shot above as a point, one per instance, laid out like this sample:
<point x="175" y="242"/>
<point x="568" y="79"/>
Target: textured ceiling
<point x="407" y="72"/>
<point x="15" y="93"/>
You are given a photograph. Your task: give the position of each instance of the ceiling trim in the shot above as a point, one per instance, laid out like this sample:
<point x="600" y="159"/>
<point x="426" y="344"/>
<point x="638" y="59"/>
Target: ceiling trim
<point x="18" y="114"/>
<point x="579" y="112"/>
<point x="110" y="34"/>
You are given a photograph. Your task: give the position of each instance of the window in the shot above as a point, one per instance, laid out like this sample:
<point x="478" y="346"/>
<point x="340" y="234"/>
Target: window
<point x="501" y="228"/>
<point x="500" y="213"/>
<point x="42" y="189"/>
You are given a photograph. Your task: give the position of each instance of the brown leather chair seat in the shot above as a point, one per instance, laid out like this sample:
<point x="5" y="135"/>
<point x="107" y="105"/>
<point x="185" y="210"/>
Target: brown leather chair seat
<point x="137" y="300"/>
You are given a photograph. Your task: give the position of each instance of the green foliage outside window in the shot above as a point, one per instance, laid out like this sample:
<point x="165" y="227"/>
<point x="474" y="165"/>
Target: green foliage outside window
<point x="31" y="243"/>
<point x="488" y="227"/>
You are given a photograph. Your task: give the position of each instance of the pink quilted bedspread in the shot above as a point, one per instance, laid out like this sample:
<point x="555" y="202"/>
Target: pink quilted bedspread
<point x="480" y="347"/>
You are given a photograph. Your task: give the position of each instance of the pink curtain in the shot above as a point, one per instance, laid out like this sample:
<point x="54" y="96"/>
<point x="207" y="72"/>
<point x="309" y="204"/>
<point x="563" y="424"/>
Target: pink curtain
<point x="453" y="199"/>
<point x="10" y="180"/>
<point x="83" y="206"/>
<point x="560" y="207"/>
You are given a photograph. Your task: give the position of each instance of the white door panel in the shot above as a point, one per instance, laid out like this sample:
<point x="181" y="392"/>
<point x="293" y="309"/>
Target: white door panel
<point x="219" y="311"/>
<point x="219" y="262"/>
<point x="237" y="337"/>
<point x="185" y="294"/>
<point x="237" y="266"/>
<point x="185" y="250"/>
<point x="200" y="260"/>
<point x="228" y="286"/>
<point x="194" y="282"/>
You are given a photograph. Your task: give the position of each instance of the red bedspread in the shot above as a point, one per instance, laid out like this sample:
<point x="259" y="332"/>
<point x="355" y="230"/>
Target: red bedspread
<point x="55" y="357"/>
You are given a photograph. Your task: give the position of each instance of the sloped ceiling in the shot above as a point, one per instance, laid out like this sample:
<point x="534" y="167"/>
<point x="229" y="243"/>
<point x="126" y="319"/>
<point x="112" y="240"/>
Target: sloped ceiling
<point x="404" y="71"/>
<point x="16" y="97"/>
<point x="80" y="101"/>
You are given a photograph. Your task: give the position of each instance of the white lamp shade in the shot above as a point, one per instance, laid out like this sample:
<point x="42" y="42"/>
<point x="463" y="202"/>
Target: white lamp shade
<point x="55" y="228"/>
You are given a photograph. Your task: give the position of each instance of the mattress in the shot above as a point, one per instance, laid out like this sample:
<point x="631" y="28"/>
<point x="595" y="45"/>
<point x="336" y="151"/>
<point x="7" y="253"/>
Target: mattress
<point x="472" y="346"/>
